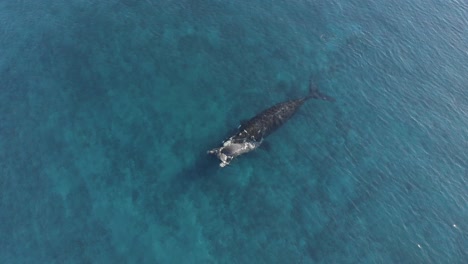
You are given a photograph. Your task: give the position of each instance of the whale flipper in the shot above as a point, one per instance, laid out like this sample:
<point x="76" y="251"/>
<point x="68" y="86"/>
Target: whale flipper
<point x="265" y="146"/>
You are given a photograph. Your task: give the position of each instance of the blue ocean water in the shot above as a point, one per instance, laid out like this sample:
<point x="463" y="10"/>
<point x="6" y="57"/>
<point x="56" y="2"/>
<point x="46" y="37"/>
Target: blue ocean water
<point x="107" y="109"/>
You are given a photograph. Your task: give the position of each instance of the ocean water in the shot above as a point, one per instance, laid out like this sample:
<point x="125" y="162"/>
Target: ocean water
<point x="107" y="109"/>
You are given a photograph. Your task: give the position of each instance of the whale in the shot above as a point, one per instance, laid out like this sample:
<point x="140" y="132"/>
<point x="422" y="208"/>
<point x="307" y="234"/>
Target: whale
<point x="250" y="134"/>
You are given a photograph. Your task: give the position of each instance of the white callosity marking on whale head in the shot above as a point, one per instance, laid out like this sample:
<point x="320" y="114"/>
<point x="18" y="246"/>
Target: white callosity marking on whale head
<point x="230" y="150"/>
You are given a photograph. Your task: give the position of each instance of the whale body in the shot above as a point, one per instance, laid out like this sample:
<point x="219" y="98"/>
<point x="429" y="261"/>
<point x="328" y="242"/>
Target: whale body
<point x="251" y="134"/>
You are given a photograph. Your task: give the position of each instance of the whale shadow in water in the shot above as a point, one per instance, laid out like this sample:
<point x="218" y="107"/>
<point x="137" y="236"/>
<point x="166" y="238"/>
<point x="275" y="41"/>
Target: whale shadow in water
<point x="203" y="167"/>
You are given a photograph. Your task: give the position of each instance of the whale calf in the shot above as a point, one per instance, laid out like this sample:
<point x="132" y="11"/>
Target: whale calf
<point x="251" y="134"/>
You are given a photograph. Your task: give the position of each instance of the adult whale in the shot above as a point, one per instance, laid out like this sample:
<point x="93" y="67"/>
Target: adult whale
<point x="251" y="134"/>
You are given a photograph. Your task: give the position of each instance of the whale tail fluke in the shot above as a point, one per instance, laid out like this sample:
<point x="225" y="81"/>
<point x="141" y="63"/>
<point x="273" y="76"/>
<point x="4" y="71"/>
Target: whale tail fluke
<point x="316" y="94"/>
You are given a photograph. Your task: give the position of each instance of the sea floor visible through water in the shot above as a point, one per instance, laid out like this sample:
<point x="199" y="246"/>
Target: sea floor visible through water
<point x="107" y="109"/>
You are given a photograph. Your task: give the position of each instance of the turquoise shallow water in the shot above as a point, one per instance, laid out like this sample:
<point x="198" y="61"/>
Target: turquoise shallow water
<point x="107" y="109"/>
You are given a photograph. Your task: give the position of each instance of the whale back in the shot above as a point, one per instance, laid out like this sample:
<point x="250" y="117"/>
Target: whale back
<point x="263" y="124"/>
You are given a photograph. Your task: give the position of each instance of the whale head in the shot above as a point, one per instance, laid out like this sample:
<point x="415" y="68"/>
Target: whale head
<point x="231" y="149"/>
